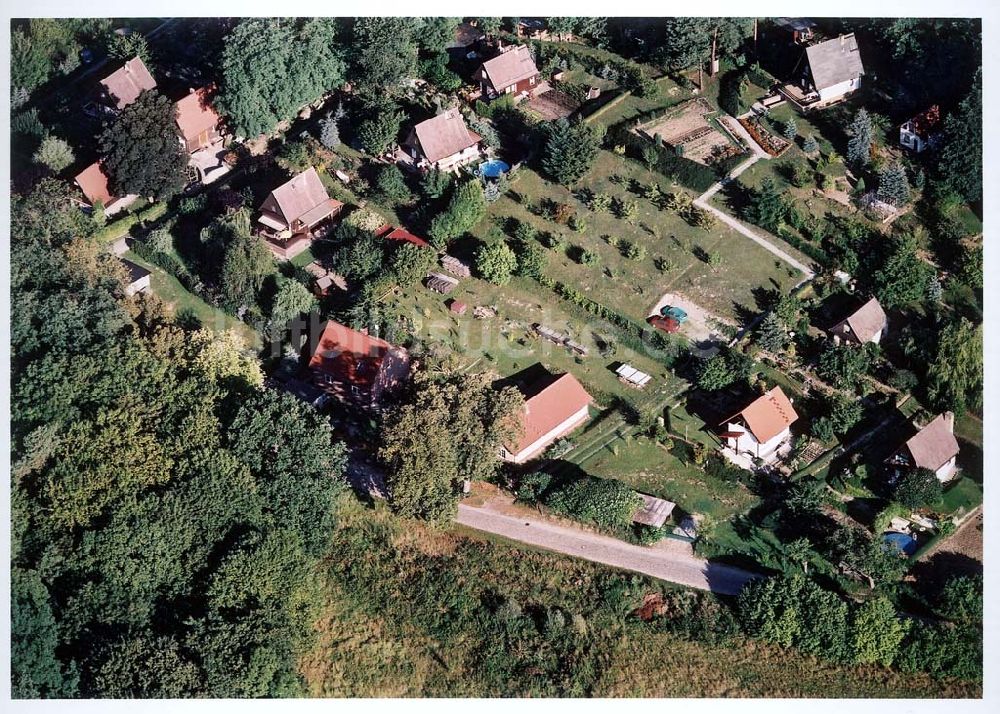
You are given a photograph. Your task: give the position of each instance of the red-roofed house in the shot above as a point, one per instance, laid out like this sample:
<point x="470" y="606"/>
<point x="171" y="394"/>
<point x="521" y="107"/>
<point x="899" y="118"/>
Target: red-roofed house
<point x="199" y="126"/>
<point x="94" y="184"/>
<point x="934" y="447"/>
<point x="292" y="214"/>
<point x="355" y="367"/>
<point x="760" y="428"/>
<point x="443" y="141"/>
<point x="511" y="72"/>
<point x="123" y="86"/>
<point x="401" y="235"/>
<point x="197" y="120"/>
<point x="548" y="414"/>
<point x="922" y="130"/>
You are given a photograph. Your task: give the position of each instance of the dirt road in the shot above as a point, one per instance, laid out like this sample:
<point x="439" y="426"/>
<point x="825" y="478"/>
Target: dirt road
<point x="669" y="560"/>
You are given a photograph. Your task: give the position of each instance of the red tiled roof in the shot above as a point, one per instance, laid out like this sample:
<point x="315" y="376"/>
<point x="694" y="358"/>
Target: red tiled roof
<point x="549" y="408"/>
<point x="768" y="415"/>
<point x="511" y="67"/>
<point x="195" y="113"/>
<point x="94" y="184"/>
<point x="127" y="83"/>
<point x="404" y="236"/>
<point x="348" y="355"/>
<point x="924" y="122"/>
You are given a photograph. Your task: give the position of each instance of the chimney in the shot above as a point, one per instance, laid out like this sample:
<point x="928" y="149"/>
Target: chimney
<point x="842" y="40"/>
<point x="949" y="421"/>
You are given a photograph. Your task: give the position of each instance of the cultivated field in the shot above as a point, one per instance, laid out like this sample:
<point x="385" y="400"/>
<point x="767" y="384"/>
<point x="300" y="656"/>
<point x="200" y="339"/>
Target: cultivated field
<point x="688" y="126"/>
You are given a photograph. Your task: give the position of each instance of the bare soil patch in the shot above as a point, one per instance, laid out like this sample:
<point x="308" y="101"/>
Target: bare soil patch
<point x="688" y="126"/>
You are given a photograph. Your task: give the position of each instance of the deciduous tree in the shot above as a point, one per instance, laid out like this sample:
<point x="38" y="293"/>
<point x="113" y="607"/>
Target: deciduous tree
<point x="142" y="154"/>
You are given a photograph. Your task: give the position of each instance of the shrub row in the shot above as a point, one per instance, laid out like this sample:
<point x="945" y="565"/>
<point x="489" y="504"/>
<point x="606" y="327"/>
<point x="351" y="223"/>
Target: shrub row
<point x="634" y="335"/>
<point x="121" y="227"/>
<point x="691" y="174"/>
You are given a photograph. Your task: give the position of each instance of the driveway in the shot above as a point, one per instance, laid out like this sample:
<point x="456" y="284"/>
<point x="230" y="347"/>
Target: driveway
<point x="670" y="560"/>
<point x="699" y="325"/>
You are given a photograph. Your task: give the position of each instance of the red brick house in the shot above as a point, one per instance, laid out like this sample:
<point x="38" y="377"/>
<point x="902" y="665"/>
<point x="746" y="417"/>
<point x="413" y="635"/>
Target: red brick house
<point x="123" y="86"/>
<point x="513" y="71"/>
<point x="549" y="413"/>
<point x="355" y="367"/>
<point x="294" y="214"/>
<point x="443" y="141"/>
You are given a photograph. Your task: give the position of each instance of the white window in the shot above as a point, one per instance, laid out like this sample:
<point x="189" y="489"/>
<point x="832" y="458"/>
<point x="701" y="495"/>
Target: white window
<point x="532" y="80"/>
<point x="510" y="89"/>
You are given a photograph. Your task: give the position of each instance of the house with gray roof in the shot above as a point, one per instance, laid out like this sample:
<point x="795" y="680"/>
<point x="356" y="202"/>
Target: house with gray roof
<point x="934" y="447"/>
<point x="866" y="324"/>
<point x="833" y="68"/>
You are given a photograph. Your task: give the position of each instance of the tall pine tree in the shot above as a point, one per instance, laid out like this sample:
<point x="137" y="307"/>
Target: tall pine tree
<point x="893" y="188"/>
<point x="859" y="147"/>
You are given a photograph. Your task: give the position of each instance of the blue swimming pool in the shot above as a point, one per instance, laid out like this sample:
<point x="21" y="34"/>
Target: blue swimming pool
<point x="902" y="542"/>
<point x="493" y="168"/>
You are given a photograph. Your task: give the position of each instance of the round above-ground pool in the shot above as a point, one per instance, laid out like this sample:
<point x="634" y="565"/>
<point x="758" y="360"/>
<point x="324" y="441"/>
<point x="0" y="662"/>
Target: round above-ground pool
<point x="902" y="542"/>
<point x="493" y="168"/>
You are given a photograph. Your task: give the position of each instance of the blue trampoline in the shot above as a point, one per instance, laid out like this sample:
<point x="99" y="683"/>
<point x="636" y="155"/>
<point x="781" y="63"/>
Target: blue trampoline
<point x="493" y="168"/>
<point x="902" y="542"/>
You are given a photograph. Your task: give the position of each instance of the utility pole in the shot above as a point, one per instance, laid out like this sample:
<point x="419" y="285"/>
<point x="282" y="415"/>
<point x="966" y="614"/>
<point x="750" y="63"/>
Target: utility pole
<point x="713" y="67"/>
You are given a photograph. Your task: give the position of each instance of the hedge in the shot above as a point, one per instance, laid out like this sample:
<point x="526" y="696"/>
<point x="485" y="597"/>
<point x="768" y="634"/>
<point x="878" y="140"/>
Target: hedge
<point x="634" y="335"/>
<point x="121" y="227"/>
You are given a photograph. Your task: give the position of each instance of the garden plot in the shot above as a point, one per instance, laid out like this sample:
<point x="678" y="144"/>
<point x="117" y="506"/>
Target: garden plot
<point x="688" y="126"/>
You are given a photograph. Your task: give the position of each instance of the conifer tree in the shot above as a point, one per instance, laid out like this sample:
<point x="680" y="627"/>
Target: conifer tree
<point x="893" y="188"/>
<point x="860" y="145"/>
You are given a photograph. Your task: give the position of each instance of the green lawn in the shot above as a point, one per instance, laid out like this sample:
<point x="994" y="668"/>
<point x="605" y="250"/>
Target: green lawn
<point x="961" y="497"/>
<point x="632" y="106"/>
<point x="507" y="342"/>
<point x="169" y="289"/>
<point x="648" y="467"/>
<point x="633" y="286"/>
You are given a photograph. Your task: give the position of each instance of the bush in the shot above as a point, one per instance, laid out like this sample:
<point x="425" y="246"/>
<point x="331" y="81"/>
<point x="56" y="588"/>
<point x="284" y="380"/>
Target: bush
<point x="54" y="153"/>
<point x="604" y="502"/>
<point x="532" y="486"/>
<point x="496" y="262"/>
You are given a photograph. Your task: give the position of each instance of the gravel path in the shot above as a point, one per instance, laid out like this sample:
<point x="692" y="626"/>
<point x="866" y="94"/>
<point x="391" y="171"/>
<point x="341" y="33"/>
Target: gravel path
<point x="703" y="202"/>
<point x="669" y="560"/>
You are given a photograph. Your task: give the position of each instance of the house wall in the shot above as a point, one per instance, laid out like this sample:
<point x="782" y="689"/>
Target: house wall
<point x="540" y="444"/>
<point x="525" y="85"/>
<point x="748" y="444"/>
<point x="141" y="285"/>
<point x="946" y="472"/>
<point x="469" y="154"/>
<point x="392" y="374"/>
<point x="839" y="90"/>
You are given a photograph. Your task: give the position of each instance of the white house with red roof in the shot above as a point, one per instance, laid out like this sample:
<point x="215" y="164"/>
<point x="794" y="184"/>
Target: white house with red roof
<point x="548" y="413"/>
<point x="921" y="131"/>
<point x="761" y="428"/>
<point x="94" y="184"/>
